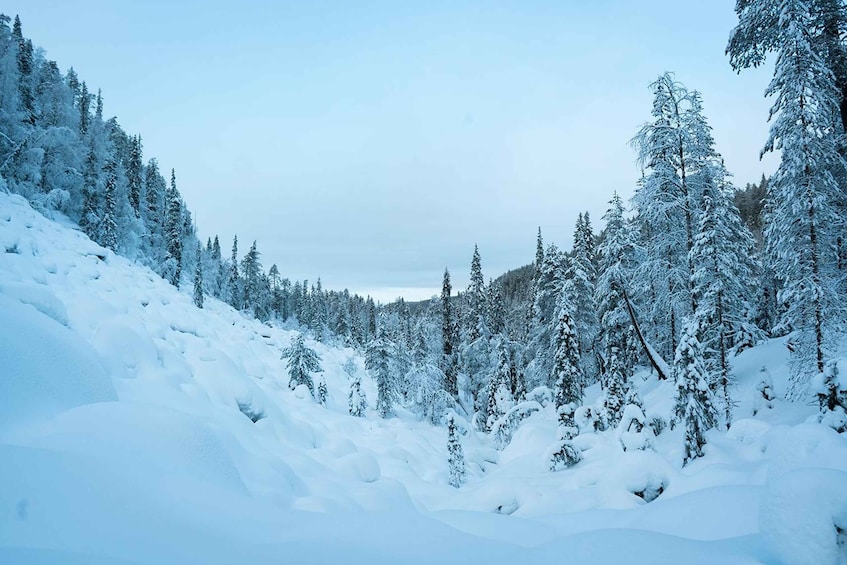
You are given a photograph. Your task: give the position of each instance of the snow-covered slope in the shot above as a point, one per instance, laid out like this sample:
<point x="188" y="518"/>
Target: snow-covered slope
<point x="125" y="438"/>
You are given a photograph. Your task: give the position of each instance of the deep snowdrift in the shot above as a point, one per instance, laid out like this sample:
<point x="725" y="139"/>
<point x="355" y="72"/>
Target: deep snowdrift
<point x="124" y="439"/>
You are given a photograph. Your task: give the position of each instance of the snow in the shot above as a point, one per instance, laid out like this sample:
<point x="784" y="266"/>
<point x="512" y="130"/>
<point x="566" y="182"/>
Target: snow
<point x="136" y="428"/>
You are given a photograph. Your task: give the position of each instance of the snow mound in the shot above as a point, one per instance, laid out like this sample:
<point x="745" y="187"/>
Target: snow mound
<point x="46" y="368"/>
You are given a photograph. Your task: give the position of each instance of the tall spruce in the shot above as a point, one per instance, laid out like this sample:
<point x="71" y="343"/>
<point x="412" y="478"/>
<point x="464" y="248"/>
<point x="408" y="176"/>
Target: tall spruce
<point x="198" y="281"/>
<point x="448" y="363"/>
<point x="804" y="221"/>
<point x="173" y="232"/>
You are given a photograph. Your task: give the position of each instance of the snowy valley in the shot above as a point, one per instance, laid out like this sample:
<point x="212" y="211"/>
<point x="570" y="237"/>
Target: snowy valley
<point x="667" y="387"/>
<point x="127" y="438"/>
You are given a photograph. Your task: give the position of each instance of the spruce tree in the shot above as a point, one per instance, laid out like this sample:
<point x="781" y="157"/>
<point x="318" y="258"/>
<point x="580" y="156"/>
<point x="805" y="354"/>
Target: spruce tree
<point x="693" y="407"/>
<point x="378" y="360"/>
<point x="234" y="280"/>
<point x="724" y="268"/>
<point x="666" y="203"/>
<point x="547" y="293"/>
<point x="198" y="281"/>
<point x="448" y="363"/>
<point x="133" y="173"/>
<point x="173" y="232"/>
<point x="108" y="233"/>
<point x="476" y="299"/>
<point x="302" y="362"/>
<point x="804" y="223"/>
<point x="500" y="395"/>
<point x="579" y="286"/>
<point x="618" y="253"/>
<point x="356" y="401"/>
<point x="564" y="453"/>
<point x="567" y="375"/>
<point x="455" y="455"/>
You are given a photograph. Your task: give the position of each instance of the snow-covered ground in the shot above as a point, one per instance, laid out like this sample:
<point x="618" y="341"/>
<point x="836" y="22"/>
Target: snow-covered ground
<point x="125" y="438"/>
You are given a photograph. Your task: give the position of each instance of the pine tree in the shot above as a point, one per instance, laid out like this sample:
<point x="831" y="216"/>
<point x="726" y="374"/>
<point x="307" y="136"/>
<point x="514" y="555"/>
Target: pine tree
<point x="356" y="401"/>
<point x="455" y="455"/>
<point x="693" y="406"/>
<point x="198" y="281"/>
<point x="302" y="362"/>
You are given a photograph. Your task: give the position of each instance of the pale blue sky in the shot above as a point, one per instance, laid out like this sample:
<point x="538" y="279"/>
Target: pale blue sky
<point x="373" y="143"/>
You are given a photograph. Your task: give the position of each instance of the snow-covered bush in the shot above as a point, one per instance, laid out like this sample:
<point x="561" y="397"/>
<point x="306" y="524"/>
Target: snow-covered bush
<point x="503" y="429"/>
<point x="590" y="418"/>
<point x="564" y="453"/>
<point x="633" y="431"/>
<point x="831" y="392"/>
<point x="657" y="425"/>
<point x="764" y="396"/>
<point x="426" y="395"/>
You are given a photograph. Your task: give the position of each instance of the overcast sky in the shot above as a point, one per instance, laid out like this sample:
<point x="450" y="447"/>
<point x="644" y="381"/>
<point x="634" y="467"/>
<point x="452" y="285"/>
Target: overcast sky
<point x="373" y="143"/>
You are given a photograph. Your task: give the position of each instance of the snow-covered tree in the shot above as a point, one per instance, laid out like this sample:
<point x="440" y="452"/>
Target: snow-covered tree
<point x="198" y="281"/>
<point x="476" y="298"/>
<point x="455" y="455"/>
<point x="579" y="286"/>
<point x="427" y="397"/>
<point x="831" y="391"/>
<point x="302" y="362"/>
<point x="108" y="233"/>
<point x="764" y="396"/>
<point x="567" y="372"/>
<point x="617" y="261"/>
<point x="173" y="234"/>
<point x="666" y="202"/>
<point x="724" y="270"/>
<point x="448" y="363"/>
<point x="693" y="407"/>
<point x="322" y="392"/>
<point x="379" y="361"/>
<point x="357" y="403"/>
<point x="564" y="453"/>
<point x="547" y="291"/>
<point x="500" y="397"/>
<point x="804" y="223"/>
